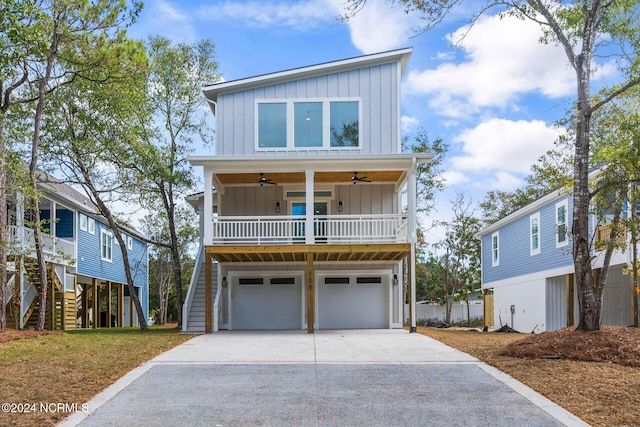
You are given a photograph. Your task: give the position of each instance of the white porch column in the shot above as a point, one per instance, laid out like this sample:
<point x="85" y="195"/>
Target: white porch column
<point x="309" y="234"/>
<point x="413" y="238"/>
<point x="208" y="207"/>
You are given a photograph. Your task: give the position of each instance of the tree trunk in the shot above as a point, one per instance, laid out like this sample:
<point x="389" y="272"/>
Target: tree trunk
<point x="588" y="301"/>
<point x="33" y="175"/>
<point x="3" y="227"/>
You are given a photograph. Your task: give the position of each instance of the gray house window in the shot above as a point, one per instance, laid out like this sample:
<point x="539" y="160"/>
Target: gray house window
<point x="272" y="125"/>
<point x="344" y="123"/>
<point x="307" y="124"/>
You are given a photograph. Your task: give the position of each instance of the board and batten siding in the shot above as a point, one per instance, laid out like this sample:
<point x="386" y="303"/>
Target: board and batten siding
<point x="376" y="87"/>
<point x="514" y="246"/>
<point x="370" y="199"/>
<point x="90" y="263"/>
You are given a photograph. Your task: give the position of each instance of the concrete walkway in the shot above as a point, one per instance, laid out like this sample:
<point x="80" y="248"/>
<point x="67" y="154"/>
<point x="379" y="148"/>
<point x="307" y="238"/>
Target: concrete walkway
<point x="330" y="378"/>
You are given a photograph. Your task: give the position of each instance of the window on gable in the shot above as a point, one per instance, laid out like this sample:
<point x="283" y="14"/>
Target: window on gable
<point x="129" y="242"/>
<point x="302" y="124"/>
<point x="307" y="123"/>
<point x="272" y="125"/>
<point x="562" y="229"/>
<point x="495" y="249"/>
<point x="534" y="234"/>
<point x="106" y="245"/>
<point x="344" y="124"/>
<point x="83" y="222"/>
<point x="91" y="226"/>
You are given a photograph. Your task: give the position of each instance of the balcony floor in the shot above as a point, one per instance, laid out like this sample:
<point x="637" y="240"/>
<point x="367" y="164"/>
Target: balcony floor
<point x="318" y="252"/>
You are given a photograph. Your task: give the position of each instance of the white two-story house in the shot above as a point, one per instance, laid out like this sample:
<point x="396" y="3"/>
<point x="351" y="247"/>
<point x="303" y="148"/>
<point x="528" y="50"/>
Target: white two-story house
<point x="309" y="206"/>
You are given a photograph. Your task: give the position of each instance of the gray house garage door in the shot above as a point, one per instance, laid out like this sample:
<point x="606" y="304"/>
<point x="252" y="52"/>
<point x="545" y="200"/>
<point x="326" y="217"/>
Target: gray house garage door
<point x="353" y="302"/>
<point x="266" y="303"/>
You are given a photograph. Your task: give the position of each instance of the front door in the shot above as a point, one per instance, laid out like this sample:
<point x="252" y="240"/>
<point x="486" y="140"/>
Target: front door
<point x="319" y="228"/>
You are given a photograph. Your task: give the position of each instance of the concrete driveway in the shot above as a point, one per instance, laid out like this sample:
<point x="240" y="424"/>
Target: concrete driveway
<point x="330" y="378"/>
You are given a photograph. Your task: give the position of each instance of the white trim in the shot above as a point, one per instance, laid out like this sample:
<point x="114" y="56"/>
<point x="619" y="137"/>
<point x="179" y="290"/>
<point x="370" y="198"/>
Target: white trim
<point x="108" y="233"/>
<point x="495" y="252"/>
<point x="563" y="203"/>
<point x="534" y="250"/>
<point x="290" y="123"/>
<point x="545" y="274"/>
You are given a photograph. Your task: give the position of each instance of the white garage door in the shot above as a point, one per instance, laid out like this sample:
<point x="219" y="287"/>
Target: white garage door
<point x="353" y="302"/>
<point x="266" y="303"/>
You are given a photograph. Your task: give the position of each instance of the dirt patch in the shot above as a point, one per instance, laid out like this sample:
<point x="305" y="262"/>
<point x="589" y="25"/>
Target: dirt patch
<point x="602" y="391"/>
<point x="609" y="344"/>
<point x="7" y="335"/>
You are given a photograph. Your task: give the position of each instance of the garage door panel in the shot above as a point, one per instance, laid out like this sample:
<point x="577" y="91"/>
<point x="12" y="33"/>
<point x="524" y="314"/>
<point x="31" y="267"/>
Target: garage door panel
<point x="267" y="306"/>
<point x="353" y="305"/>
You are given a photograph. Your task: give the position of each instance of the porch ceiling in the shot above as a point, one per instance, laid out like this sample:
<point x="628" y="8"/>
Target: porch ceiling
<point x="299" y="177"/>
<point x="319" y="252"/>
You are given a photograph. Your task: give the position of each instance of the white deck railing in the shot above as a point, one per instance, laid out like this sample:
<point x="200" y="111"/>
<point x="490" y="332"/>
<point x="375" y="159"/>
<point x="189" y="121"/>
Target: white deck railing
<point x="287" y="230"/>
<point x="53" y="246"/>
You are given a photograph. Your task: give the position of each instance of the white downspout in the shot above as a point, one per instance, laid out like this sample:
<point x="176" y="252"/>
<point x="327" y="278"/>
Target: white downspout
<point x="208" y="206"/>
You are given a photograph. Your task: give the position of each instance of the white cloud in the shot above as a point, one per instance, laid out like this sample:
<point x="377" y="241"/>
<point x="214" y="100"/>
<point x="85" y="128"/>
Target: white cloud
<point x="407" y="123"/>
<point x="455" y="177"/>
<point x="379" y="26"/>
<point x="300" y="16"/>
<point x="166" y="19"/>
<point x="503" y="145"/>
<point x="503" y="60"/>
<point x="504" y="181"/>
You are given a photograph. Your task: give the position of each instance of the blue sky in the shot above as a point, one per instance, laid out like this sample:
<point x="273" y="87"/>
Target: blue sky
<point x="492" y="95"/>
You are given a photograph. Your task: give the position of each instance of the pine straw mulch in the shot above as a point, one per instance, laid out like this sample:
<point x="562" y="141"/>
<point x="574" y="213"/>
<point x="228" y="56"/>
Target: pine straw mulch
<point x="7" y="335"/>
<point x="593" y="375"/>
<point x="609" y="344"/>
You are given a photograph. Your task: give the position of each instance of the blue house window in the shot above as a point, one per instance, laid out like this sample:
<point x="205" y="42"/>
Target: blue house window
<point x="562" y="238"/>
<point x="495" y="249"/>
<point x="534" y="233"/>
<point x="106" y="245"/>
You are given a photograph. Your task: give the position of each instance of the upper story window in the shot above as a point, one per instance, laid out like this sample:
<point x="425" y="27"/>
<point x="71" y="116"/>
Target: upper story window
<point x="562" y="228"/>
<point x="307" y="124"/>
<point x="534" y="234"/>
<point x="83" y="222"/>
<point x="91" y="225"/>
<point x="495" y="249"/>
<point x="106" y="245"/>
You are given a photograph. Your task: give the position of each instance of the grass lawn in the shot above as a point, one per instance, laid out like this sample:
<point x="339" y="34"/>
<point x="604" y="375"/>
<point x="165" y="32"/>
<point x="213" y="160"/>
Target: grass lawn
<point x="70" y="367"/>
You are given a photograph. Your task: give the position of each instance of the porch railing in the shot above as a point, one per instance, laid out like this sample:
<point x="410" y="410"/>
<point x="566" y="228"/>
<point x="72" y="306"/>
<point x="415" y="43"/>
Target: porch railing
<point x="330" y="229"/>
<point x="53" y="246"/>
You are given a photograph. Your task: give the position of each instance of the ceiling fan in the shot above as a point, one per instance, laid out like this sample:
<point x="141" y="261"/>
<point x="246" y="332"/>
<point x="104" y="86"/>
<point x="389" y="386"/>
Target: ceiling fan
<point x="262" y="181"/>
<point x="355" y="178"/>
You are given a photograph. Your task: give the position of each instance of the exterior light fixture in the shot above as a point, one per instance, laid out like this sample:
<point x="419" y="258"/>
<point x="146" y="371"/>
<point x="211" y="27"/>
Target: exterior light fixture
<point x="340" y="206"/>
<point x="278" y="207"/>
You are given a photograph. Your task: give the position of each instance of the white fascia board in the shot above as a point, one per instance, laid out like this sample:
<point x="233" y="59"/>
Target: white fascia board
<point x="332" y="163"/>
<point x="526" y="210"/>
<point x="402" y="55"/>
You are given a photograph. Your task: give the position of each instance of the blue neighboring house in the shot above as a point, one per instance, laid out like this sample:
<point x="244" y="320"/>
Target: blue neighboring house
<point x="87" y="283"/>
<point x="528" y="273"/>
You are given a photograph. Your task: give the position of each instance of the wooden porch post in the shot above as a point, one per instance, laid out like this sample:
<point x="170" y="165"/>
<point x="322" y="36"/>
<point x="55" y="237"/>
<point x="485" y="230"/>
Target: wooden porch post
<point x="108" y="316"/>
<point x="412" y="191"/>
<point x="96" y="303"/>
<point x="208" y="294"/>
<point x="310" y="294"/>
<point x="121" y="305"/>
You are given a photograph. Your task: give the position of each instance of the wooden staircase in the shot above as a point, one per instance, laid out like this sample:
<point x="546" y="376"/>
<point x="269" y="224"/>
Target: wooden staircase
<point x="60" y="312"/>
